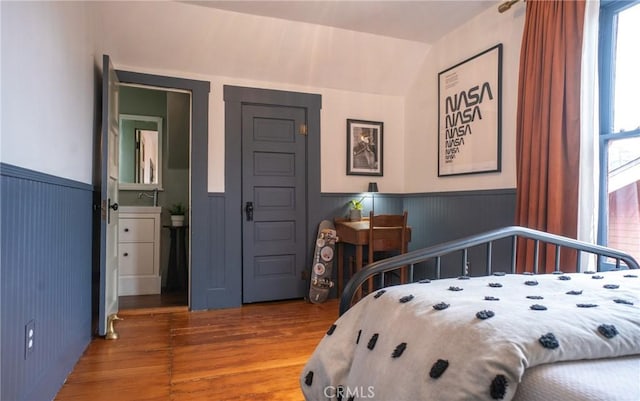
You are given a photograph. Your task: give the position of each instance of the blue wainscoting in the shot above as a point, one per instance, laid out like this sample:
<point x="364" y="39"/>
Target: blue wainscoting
<point x="440" y="217"/>
<point x="45" y="277"/>
<point x="218" y="285"/>
<point x="434" y="218"/>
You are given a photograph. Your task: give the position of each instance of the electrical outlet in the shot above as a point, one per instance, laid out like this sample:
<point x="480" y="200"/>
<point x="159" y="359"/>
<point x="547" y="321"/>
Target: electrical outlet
<point x="29" y="338"/>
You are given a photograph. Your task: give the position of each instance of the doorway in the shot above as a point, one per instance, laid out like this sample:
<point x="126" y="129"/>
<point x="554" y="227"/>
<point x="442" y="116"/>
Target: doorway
<point x="104" y="281"/>
<point x="194" y="182"/>
<point x="153" y="257"/>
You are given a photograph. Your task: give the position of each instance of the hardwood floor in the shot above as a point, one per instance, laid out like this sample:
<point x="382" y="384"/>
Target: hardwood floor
<point x="255" y="352"/>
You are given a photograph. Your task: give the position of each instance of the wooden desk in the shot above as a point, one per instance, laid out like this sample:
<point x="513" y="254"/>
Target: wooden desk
<point x="357" y="233"/>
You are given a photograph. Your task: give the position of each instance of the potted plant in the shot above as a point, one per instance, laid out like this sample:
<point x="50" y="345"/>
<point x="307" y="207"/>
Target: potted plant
<point x="177" y="211"/>
<point x="355" y="211"/>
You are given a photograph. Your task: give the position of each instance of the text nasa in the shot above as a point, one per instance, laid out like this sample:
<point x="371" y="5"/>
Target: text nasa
<point x="458" y="121"/>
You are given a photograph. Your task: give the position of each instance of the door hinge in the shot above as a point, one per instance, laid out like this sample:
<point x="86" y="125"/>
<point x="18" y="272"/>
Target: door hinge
<point x="302" y="129"/>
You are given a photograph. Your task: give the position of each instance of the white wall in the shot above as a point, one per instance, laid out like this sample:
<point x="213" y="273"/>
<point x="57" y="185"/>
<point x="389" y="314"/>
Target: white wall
<point x="48" y="65"/>
<point x="47" y="88"/>
<point x="358" y="75"/>
<point x="337" y="106"/>
<point x="421" y="107"/>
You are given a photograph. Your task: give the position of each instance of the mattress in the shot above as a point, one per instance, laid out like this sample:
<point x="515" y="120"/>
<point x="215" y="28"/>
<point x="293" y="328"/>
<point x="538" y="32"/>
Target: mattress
<point x="588" y="380"/>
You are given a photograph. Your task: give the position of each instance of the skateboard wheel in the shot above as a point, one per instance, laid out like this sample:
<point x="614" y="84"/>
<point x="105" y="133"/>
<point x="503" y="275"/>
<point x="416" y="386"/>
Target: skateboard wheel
<point x="326" y="253"/>
<point x="319" y="269"/>
<point x="320" y="243"/>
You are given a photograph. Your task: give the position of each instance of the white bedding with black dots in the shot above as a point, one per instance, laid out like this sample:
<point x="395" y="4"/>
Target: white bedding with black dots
<point x="472" y="338"/>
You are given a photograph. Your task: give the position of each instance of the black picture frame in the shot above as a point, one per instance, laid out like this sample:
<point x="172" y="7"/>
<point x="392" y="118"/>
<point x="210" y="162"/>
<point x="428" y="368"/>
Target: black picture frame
<point x="365" y="147"/>
<point x="470" y="115"/>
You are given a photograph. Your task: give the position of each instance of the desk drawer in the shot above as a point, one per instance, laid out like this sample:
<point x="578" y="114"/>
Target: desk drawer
<point x="136" y="230"/>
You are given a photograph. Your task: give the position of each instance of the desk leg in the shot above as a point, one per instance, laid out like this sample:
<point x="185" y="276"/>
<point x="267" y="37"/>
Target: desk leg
<point x="358" y="257"/>
<point x="340" y="257"/>
<point x="358" y="268"/>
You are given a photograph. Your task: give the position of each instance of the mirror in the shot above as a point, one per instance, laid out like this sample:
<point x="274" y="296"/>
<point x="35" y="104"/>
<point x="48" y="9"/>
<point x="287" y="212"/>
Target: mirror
<point x="140" y="152"/>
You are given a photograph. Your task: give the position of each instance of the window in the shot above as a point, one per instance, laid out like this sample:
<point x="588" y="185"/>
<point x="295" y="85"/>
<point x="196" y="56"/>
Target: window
<point x="619" y="60"/>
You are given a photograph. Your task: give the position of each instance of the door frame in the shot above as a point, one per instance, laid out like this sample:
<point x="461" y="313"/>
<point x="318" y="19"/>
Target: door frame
<point x="234" y="98"/>
<point x="200" y="215"/>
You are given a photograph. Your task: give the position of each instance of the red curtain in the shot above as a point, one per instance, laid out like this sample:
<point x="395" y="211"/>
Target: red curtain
<point x="548" y="126"/>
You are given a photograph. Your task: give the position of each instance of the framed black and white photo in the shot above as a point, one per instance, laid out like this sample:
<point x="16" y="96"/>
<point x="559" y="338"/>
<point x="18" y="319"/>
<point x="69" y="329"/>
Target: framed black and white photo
<point x="364" y="147"/>
<point x="470" y="115"/>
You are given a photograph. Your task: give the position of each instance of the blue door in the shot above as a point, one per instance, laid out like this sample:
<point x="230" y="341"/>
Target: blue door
<point x="274" y="171"/>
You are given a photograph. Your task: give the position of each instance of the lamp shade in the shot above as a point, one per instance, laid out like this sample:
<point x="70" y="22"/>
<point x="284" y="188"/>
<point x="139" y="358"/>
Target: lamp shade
<point x="373" y="187"/>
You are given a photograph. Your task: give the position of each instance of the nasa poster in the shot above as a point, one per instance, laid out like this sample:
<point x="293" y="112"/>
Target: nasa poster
<point x="469" y="115"/>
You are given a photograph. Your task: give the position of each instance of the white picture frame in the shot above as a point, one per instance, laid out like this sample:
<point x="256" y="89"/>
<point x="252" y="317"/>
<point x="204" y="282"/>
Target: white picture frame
<point x="470" y="115"/>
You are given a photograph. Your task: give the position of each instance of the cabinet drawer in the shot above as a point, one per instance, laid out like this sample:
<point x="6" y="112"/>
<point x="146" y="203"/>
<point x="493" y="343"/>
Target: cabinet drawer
<point x="136" y="230"/>
<point x="135" y="259"/>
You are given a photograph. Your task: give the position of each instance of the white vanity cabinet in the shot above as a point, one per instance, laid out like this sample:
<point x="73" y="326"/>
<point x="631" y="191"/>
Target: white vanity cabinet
<point x="139" y="250"/>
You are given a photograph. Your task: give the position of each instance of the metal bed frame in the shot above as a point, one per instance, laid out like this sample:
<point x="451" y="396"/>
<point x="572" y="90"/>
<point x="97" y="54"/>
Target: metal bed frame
<point x="487" y="239"/>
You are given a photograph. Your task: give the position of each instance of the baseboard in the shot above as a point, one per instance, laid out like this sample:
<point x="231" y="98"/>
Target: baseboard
<point x="139" y="285"/>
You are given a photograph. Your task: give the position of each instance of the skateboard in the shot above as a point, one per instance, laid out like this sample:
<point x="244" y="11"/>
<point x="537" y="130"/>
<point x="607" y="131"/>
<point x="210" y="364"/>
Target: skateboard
<point x="323" y="263"/>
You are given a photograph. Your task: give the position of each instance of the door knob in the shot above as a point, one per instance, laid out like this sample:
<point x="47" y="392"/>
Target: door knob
<point x="110" y="206"/>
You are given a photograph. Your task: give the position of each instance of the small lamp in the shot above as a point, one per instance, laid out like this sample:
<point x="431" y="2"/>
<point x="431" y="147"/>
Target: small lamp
<point x="373" y="188"/>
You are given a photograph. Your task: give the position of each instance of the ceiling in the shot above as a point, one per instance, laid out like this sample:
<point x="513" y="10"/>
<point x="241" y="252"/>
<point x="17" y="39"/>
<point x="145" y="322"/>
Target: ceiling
<point x="423" y="21"/>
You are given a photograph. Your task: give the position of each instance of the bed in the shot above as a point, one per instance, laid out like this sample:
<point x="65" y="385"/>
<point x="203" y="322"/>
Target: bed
<point x="501" y="335"/>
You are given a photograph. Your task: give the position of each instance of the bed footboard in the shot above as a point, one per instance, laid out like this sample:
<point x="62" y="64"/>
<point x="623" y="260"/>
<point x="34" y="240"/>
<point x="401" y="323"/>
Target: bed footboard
<point x="486" y="239"/>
